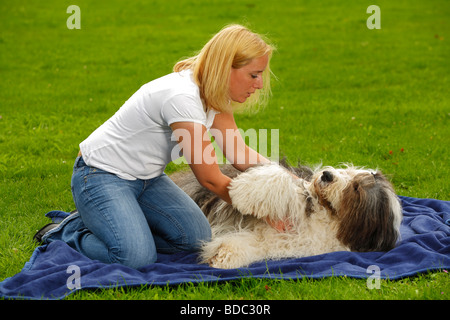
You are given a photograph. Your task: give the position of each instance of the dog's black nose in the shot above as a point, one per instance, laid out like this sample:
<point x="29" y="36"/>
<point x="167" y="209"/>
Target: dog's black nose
<point x="327" y="176"/>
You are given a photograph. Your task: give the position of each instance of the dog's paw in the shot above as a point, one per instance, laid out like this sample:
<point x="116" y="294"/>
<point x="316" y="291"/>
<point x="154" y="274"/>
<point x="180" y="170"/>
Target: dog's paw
<point x="225" y="258"/>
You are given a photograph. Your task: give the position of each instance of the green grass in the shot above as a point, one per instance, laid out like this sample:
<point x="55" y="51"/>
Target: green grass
<point x="376" y="98"/>
<point x="432" y="286"/>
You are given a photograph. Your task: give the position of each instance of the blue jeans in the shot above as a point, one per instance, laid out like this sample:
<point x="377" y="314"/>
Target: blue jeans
<point x="128" y="222"/>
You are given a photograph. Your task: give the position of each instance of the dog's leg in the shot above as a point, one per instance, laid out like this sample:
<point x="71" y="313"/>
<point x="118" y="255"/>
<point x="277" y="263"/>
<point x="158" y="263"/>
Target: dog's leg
<point x="267" y="191"/>
<point x="233" y="250"/>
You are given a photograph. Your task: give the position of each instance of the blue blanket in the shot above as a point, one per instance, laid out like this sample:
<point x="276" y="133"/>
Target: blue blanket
<point x="55" y="270"/>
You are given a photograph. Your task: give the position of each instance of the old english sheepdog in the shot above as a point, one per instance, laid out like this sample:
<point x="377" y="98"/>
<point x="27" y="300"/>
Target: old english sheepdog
<point x="327" y="209"/>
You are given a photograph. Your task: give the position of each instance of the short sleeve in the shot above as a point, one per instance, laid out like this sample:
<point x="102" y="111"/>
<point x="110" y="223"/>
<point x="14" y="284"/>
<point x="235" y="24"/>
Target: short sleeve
<point x="183" y="108"/>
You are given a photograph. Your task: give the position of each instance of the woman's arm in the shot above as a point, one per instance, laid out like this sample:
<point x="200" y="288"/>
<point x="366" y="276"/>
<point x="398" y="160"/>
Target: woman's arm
<point x="200" y="155"/>
<point x="233" y="146"/>
<point x="239" y="154"/>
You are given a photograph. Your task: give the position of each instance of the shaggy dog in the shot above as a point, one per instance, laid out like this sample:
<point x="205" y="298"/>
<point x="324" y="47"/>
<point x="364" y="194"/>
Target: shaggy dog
<point x="327" y="209"/>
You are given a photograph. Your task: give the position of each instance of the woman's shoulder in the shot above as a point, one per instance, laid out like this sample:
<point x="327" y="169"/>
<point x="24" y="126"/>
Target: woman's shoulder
<point x="176" y="82"/>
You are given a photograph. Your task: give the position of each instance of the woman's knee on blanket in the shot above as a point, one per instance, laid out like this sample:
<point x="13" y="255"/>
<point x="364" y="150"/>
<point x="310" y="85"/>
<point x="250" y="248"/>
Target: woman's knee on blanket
<point x="134" y="256"/>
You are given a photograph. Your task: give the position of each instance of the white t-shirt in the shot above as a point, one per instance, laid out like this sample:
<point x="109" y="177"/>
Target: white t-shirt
<point x="137" y="143"/>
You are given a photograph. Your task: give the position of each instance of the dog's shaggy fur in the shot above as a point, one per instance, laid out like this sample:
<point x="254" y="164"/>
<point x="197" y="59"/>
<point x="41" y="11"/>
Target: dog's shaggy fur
<point x="328" y="209"/>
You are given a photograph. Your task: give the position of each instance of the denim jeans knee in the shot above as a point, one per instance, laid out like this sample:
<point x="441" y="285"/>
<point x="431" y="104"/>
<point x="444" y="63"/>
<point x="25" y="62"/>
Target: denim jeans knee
<point x="128" y="222"/>
<point x="177" y="222"/>
<point x="117" y="229"/>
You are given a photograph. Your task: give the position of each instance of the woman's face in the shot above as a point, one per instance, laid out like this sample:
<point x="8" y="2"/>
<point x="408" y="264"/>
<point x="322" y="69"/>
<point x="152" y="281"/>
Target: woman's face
<point x="246" y="80"/>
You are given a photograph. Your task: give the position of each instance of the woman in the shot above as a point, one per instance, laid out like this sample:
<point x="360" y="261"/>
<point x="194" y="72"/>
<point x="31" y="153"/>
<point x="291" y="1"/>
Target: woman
<point x="128" y="209"/>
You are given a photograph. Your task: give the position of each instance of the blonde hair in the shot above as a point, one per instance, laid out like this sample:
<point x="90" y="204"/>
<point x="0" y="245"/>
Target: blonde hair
<point x="234" y="46"/>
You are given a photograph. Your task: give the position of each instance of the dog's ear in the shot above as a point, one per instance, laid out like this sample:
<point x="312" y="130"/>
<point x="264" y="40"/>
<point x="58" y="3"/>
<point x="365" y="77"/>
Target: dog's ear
<point x="263" y="191"/>
<point x="369" y="214"/>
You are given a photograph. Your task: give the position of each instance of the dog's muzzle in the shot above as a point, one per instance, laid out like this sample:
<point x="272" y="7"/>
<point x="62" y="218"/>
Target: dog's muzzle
<point x="327" y="176"/>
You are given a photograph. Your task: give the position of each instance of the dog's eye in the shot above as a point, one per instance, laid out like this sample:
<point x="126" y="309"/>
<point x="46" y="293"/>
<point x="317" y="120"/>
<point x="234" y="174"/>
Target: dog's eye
<point x="356" y="187"/>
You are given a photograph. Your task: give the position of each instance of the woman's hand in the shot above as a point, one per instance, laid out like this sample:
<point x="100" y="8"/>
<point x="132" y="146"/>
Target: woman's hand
<point x="279" y="225"/>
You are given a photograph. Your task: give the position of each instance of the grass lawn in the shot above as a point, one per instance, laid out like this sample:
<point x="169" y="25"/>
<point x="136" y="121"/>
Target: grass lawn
<point x="344" y="93"/>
